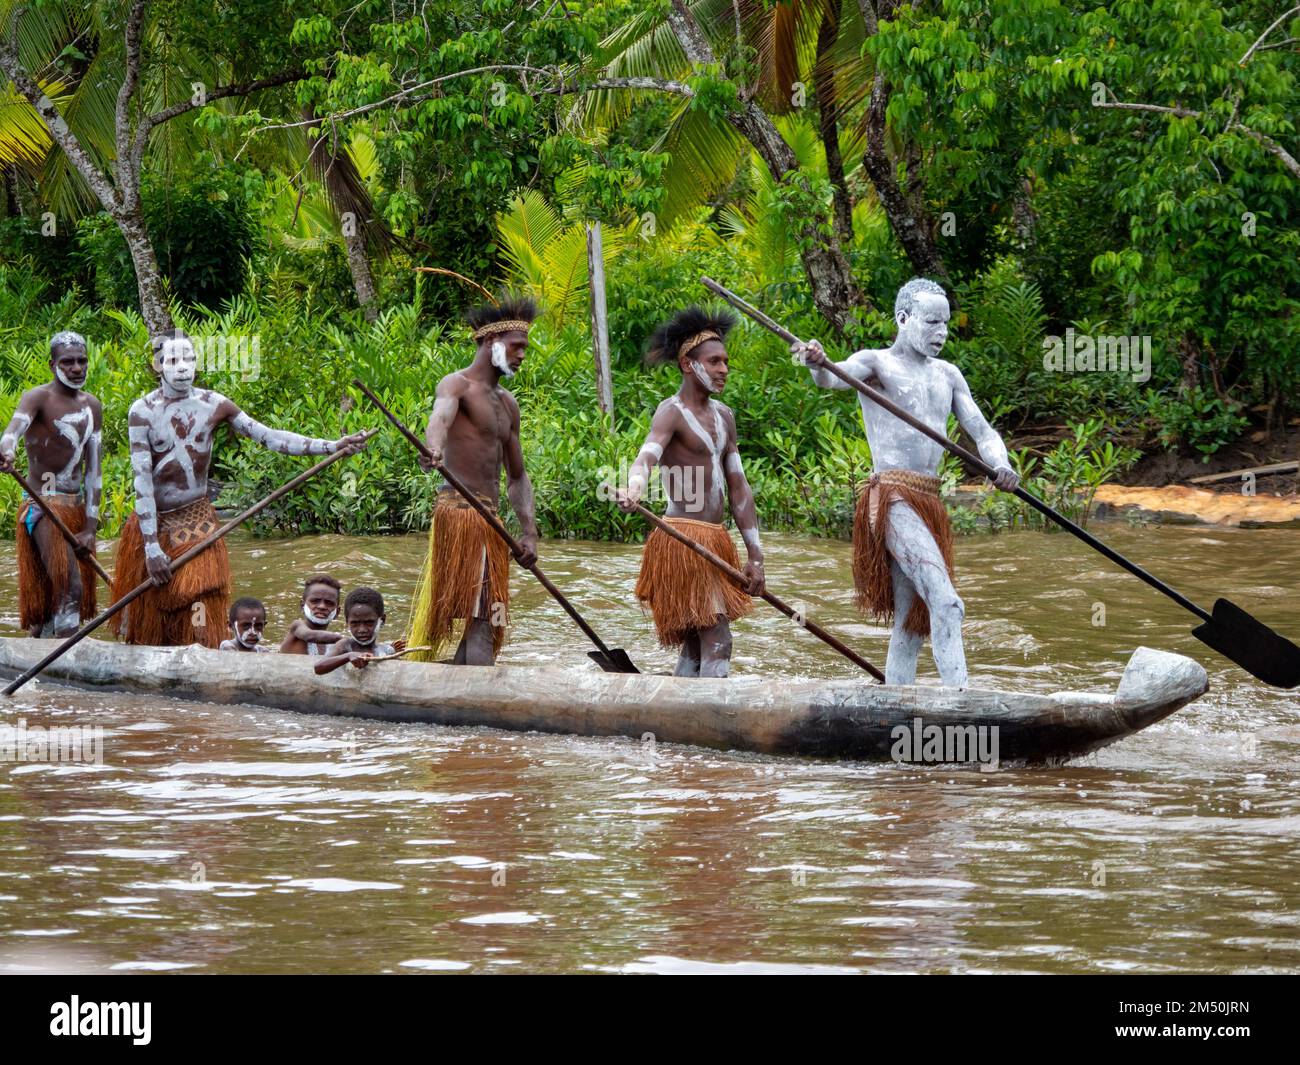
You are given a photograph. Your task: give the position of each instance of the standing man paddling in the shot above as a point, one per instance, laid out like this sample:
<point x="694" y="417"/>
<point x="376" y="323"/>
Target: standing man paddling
<point x="60" y="424"/>
<point x="473" y="431"/>
<point x="693" y="440"/>
<point x="902" y="539"/>
<point x="171" y="431"/>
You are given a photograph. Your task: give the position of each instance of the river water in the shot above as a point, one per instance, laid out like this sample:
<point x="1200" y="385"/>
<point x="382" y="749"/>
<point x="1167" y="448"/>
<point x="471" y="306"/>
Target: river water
<point x="230" y="839"/>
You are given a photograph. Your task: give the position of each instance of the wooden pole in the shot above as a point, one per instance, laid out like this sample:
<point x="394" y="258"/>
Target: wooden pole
<point x="600" y="320"/>
<point x="77" y="549"/>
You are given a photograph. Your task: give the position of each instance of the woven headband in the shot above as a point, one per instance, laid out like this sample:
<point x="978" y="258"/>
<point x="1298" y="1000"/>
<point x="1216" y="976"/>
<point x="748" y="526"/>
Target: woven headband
<point x="508" y="326"/>
<point x="694" y="342"/>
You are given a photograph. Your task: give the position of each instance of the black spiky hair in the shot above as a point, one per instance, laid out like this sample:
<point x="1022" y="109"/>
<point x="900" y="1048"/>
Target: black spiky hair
<point x="666" y="341"/>
<point x="509" y="309"/>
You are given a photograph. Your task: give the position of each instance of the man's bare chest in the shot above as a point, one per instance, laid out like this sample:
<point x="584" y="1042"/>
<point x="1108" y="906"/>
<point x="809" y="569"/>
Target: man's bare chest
<point x="485" y="413"/>
<point x="187" y="423"/>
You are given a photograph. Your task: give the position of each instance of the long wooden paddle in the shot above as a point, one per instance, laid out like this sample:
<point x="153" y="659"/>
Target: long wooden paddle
<point x="739" y="578"/>
<point x="1231" y="631"/>
<point x="77" y="549"/>
<point x="176" y="563"/>
<point x="610" y="659"/>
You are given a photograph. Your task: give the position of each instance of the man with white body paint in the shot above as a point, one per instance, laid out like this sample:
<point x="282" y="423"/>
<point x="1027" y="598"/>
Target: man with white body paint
<point x="171" y="432"/>
<point x="902" y="541"/>
<point x="692" y="440"/>
<point x="60" y="424"/>
<point x="473" y="430"/>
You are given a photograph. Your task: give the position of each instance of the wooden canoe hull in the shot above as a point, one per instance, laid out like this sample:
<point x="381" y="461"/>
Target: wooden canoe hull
<point x="849" y="719"/>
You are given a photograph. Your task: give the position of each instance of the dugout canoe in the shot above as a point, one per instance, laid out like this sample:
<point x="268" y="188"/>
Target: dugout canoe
<point x="851" y="718"/>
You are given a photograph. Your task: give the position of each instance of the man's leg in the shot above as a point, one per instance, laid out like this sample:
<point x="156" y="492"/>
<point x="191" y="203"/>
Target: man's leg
<point x="688" y="659"/>
<point x="904" y="646"/>
<point x="478" y="642"/>
<point x="917" y="556"/>
<point x="66" y="610"/>
<point x="715" y="649"/>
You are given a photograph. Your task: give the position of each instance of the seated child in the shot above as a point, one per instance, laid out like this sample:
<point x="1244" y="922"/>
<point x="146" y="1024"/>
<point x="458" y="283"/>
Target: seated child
<point x="309" y="634"/>
<point x="363" y="614"/>
<point x="247" y="619"/>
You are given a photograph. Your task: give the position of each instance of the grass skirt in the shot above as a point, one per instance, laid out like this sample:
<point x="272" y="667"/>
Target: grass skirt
<point x="684" y="592"/>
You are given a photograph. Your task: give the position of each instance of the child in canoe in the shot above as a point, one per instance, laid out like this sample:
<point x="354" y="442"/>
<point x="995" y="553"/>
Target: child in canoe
<point x="247" y="620"/>
<point x="309" y="634"/>
<point x="363" y="614"/>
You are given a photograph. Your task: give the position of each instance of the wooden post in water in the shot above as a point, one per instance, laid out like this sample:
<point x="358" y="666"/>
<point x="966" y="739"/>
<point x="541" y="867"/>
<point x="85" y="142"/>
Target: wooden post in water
<point x="599" y="320"/>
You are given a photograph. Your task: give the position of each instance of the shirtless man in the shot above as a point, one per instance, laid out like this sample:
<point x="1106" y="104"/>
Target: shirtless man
<point x="902" y="541"/>
<point x="473" y="431"/>
<point x="171" y="431"/>
<point x="693" y="440"/>
<point x="60" y="424"/>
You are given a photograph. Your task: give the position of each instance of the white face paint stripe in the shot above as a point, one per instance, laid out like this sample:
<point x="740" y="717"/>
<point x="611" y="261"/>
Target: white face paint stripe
<point x="701" y="376"/>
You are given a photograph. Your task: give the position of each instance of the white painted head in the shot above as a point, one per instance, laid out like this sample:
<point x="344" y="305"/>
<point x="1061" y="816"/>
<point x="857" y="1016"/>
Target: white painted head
<point x="922" y="312"/>
<point x="175" y="361"/>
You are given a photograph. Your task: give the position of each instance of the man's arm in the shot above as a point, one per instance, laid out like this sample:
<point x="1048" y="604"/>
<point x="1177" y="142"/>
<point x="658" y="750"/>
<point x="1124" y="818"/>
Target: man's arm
<point x="93" y="477"/>
<point x="24" y="414"/>
<point x="146" y="512"/>
<point x="662" y="427"/>
<point x="860" y="365"/>
<point x="743" y="509"/>
<point x="519" y="489"/>
<point x="446" y="405"/>
<point x="991" y="448"/>
<point x="281" y="440"/>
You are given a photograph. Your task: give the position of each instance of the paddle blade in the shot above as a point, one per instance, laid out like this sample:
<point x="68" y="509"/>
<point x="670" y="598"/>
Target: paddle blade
<point x="615" y="660"/>
<point x="1250" y="643"/>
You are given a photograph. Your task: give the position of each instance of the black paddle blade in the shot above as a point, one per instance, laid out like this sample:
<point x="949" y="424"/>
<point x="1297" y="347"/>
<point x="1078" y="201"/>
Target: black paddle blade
<point x="1250" y="643"/>
<point x="615" y="660"/>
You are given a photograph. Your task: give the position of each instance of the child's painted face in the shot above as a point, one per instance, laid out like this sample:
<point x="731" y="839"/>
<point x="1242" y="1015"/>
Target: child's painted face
<point x="320" y="604"/>
<point x="248" y="625"/>
<point x="363" y="623"/>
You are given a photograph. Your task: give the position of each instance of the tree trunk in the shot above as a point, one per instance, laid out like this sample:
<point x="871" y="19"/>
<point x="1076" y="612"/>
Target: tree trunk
<point x="914" y="230"/>
<point x="362" y="278"/>
<point x="148" y="278"/>
<point x="834" y="291"/>
<point x="827" y="111"/>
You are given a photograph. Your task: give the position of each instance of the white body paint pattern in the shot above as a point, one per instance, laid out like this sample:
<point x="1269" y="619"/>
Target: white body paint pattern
<point x="716" y="444"/>
<point x="78" y="429"/>
<point x="499" y="359"/>
<point x="178" y="426"/>
<point x="17" y="427"/>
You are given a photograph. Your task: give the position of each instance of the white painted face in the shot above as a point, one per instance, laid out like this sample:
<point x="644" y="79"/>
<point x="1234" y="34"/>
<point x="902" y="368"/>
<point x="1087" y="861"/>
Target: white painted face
<point x="176" y="364"/>
<point x="499" y="359"/>
<point x="926" y="329"/>
<point x="320" y="619"/>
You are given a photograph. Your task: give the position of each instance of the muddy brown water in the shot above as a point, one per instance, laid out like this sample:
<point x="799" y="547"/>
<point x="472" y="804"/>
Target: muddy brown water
<point x="236" y="840"/>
